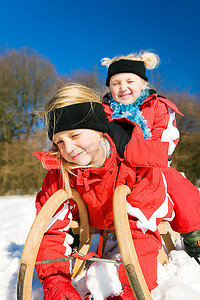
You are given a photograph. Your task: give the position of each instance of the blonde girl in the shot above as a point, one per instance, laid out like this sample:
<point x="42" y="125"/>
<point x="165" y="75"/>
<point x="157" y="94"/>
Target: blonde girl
<point x="130" y="96"/>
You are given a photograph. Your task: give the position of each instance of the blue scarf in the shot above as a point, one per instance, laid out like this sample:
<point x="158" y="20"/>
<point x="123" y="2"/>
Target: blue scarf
<point x="132" y="112"/>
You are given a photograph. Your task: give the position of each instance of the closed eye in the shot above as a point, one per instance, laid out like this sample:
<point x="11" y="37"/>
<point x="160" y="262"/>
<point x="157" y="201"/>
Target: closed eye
<point x="75" y="135"/>
<point x="115" y="83"/>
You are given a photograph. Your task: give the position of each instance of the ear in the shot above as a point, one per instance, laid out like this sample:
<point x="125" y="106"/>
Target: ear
<point x="144" y="85"/>
<point x="101" y="135"/>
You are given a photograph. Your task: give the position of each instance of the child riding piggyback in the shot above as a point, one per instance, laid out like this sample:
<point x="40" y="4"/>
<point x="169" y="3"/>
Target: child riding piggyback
<point x="130" y="97"/>
<point x="84" y="157"/>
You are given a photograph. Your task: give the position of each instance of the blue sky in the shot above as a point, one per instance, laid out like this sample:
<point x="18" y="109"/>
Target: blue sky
<point x="77" y="34"/>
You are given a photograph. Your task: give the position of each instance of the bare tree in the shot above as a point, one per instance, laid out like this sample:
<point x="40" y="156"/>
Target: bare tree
<point x="25" y="76"/>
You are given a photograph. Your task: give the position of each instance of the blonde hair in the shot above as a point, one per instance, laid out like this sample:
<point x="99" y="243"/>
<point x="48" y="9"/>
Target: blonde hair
<point x="150" y="59"/>
<point x="67" y="94"/>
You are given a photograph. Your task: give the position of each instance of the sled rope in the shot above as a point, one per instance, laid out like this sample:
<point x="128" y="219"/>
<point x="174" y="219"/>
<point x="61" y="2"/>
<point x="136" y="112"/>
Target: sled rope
<point x="91" y="256"/>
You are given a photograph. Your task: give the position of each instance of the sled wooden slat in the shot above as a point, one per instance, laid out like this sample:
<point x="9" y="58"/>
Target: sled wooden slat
<point x="29" y="254"/>
<point x="84" y="233"/>
<point x="126" y="246"/>
<point x="169" y="237"/>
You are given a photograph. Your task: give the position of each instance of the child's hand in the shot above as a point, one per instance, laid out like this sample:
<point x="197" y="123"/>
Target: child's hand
<point x="58" y="287"/>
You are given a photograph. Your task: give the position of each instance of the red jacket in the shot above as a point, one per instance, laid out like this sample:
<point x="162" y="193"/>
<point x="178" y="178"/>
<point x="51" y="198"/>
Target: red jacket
<point x="147" y="205"/>
<point x="160" y="115"/>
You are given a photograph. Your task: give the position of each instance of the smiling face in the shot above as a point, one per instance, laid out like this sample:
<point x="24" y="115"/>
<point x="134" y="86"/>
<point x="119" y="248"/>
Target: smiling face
<point x="126" y="87"/>
<point x="81" y="146"/>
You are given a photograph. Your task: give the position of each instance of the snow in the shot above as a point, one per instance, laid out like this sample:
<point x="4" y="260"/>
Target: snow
<point x="179" y="279"/>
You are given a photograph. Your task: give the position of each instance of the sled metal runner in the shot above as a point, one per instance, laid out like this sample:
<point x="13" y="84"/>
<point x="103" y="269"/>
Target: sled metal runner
<point x="122" y="230"/>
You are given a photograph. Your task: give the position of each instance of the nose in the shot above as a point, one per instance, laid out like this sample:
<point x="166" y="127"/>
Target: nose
<point x="69" y="146"/>
<point x="123" y="86"/>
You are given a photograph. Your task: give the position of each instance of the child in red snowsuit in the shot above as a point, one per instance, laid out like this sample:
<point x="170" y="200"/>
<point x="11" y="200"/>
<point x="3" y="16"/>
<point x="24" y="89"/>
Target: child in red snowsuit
<point x="131" y="98"/>
<point x="85" y="158"/>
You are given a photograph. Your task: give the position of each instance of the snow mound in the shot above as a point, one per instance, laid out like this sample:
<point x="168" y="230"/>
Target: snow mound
<point x="180" y="277"/>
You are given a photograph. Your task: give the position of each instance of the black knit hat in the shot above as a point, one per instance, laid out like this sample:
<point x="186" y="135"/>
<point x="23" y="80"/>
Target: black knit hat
<point x="126" y="66"/>
<point x="89" y="115"/>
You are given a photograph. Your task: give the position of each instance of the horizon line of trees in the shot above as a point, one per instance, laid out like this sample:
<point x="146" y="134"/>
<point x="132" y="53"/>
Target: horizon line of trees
<point x="26" y="80"/>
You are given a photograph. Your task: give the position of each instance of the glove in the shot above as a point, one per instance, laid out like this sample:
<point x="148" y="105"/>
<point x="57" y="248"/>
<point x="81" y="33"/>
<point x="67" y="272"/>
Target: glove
<point x="192" y="244"/>
<point x="58" y="287"/>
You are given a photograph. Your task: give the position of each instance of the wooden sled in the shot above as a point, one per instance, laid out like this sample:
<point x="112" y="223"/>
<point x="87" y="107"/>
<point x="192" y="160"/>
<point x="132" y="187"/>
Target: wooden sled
<point x="123" y="234"/>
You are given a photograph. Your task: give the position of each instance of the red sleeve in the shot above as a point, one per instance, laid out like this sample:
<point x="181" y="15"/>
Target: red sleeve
<point x="51" y="184"/>
<point x="56" y="240"/>
<point x="163" y="122"/>
<point x="146" y="153"/>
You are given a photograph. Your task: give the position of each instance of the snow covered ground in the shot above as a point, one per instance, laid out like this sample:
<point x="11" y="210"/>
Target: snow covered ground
<point x="179" y="279"/>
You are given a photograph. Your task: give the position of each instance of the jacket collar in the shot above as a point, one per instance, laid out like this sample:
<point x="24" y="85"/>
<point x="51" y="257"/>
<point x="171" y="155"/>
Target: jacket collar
<point x="153" y="96"/>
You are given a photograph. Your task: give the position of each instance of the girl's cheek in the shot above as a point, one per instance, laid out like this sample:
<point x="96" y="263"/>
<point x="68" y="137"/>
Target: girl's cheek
<point x="112" y="90"/>
<point x="61" y="152"/>
<point x="114" y="93"/>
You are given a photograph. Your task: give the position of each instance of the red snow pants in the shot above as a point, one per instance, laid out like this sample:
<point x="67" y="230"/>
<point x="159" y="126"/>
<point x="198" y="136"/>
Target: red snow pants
<point x="147" y="247"/>
<point x="186" y="198"/>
